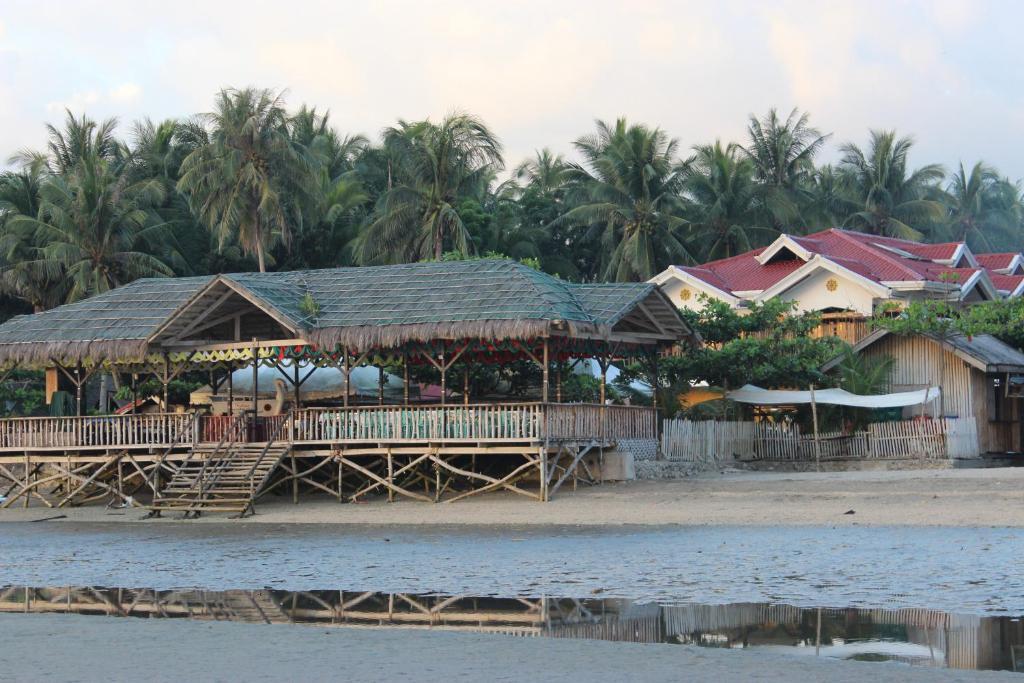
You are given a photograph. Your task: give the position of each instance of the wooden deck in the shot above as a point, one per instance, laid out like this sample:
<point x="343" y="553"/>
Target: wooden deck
<point x="427" y="453"/>
<point x="395" y="425"/>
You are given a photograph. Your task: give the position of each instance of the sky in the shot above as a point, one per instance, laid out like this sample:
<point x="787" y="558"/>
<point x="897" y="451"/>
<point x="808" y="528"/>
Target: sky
<point x="539" y="73"/>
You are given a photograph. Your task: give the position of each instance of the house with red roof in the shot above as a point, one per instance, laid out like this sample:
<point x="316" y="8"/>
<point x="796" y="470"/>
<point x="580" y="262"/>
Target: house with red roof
<point x="845" y="275"/>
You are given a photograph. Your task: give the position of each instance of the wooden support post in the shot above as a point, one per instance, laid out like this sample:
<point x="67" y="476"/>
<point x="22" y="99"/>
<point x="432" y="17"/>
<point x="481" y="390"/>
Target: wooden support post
<point x="558" y="382"/>
<point x="295" y="480"/>
<point x="437" y="483"/>
<point x="817" y="445"/>
<point x="28" y="477"/>
<point x="341" y="480"/>
<point x="297" y="383"/>
<point x="405" y="378"/>
<point x="391" y="477"/>
<point x="603" y="364"/>
<point x="444" y="384"/>
<point x="465" y="385"/>
<point x="545" y="371"/>
<point x="135" y="392"/>
<point x="543" y="467"/>
<point x="654" y="383"/>
<point x="231" y="390"/>
<point x="255" y="381"/>
<point x="380" y="385"/>
<point x="78" y="389"/>
<point x="347" y="372"/>
<point x="166" y="381"/>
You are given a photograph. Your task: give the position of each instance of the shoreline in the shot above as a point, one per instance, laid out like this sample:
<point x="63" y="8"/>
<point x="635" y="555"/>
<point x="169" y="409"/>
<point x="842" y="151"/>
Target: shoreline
<point x="928" y="498"/>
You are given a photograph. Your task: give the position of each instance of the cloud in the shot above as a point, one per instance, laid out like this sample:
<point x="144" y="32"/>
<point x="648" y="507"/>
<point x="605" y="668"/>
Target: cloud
<point x="540" y="72"/>
<point x="78" y="101"/>
<point x="124" y="93"/>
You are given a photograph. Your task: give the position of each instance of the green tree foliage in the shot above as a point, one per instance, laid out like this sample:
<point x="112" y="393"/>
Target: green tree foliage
<point x="783" y="153"/>
<point x="248" y="183"/>
<point x="627" y="194"/>
<point x="94" y="230"/>
<point x="984" y="210"/>
<point x="431" y="167"/>
<point x="767" y="345"/>
<point x="254" y="185"/>
<point x="726" y="204"/>
<point x="894" y="201"/>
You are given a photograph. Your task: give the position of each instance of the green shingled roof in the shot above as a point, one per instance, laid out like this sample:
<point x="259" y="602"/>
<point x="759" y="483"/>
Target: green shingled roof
<point x="371" y="306"/>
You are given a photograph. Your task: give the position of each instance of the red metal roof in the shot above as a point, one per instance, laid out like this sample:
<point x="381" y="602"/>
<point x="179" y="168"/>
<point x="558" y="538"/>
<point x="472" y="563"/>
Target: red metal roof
<point x="996" y="261"/>
<point x="1006" y="283"/>
<point x="879" y="259"/>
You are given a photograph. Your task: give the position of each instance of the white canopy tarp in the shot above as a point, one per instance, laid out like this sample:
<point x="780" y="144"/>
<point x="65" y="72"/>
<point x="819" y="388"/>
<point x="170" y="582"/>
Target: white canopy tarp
<point x="838" y="397"/>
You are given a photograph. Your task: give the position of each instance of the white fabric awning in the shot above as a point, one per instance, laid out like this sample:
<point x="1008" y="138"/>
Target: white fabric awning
<point x="838" y="397"/>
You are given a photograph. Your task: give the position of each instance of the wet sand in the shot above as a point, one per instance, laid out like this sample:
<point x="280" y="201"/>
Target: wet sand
<point x="959" y="498"/>
<point x="35" y="647"/>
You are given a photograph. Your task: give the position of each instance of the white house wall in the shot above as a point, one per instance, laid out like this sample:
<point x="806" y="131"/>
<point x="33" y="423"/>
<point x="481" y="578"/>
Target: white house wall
<point x="686" y="294"/>
<point x="823" y="290"/>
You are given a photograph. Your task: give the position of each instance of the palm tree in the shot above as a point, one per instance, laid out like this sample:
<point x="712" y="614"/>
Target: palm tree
<point x="783" y="156"/>
<point x="626" y="194"/>
<point x="892" y="200"/>
<point x="828" y="202"/>
<point x="725" y="203"/>
<point x="20" y="196"/>
<point x="81" y="138"/>
<point x="984" y="210"/>
<point x="241" y="183"/>
<point x="94" y="230"/>
<point x="434" y="166"/>
<point x="546" y="172"/>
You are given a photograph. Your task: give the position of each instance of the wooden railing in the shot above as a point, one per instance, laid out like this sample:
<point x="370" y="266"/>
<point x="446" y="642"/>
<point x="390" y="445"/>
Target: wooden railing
<point x="477" y="422"/>
<point x="161" y="429"/>
<point x="586" y="421"/>
<point x="494" y="422"/>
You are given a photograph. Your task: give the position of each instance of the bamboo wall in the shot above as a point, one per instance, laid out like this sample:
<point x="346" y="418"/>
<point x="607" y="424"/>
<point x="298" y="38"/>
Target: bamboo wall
<point x="919" y="361"/>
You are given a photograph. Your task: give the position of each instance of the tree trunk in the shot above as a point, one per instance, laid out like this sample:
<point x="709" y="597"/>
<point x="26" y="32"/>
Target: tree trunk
<point x="259" y="256"/>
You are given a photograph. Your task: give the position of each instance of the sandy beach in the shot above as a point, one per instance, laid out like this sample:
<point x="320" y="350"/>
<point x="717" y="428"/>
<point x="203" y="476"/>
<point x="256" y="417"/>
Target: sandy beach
<point x="961" y="498"/>
<point x="31" y="648"/>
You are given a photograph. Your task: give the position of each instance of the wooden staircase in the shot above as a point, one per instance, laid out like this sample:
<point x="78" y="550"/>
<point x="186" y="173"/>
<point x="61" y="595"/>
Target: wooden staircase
<point x="227" y="478"/>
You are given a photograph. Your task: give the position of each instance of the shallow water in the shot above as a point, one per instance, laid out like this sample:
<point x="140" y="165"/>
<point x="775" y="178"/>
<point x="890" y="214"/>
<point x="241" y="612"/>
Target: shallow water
<point x="971" y="571"/>
<point x="916" y="595"/>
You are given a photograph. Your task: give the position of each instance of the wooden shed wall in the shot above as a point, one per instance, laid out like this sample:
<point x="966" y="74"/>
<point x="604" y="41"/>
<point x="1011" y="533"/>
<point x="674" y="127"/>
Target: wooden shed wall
<point x="918" y="361"/>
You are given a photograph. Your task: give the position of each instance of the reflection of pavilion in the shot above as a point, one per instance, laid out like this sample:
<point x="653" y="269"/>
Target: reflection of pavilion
<point x="912" y="636"/>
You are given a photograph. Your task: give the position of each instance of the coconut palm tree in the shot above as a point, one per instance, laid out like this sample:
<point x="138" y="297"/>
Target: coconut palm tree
<point x="828" y="202"/>
<point x="241" y="183"/>
<point x="725" y="203"/>
<point x="783" y="153"/>
<point x="626" y="195"/>
<point x="81" y="138"/>
<point x="431" y="168"/>
<point x="984" y="210"/>
<point x="94" y="230"/>
<point x="546" y="172"/>
<point x="20" y="196"/>
<point x="891" y="199"/>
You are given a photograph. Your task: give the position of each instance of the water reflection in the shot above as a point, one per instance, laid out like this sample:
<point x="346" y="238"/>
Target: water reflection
<point x="911" y="636"/>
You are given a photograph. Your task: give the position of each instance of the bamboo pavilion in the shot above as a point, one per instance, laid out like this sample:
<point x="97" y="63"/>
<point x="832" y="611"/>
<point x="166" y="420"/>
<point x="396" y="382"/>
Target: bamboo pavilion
<point x="444" y="316"/>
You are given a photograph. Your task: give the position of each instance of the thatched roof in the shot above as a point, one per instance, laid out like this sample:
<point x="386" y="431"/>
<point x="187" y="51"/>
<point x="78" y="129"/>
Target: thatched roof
<point x="371" y="307"/>
<point x="115" y="324"/>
